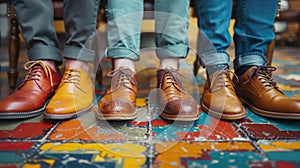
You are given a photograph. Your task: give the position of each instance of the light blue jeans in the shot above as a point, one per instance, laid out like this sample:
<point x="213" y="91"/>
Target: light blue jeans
<point x="124" y="28"/>
<point x="253" y="30"/>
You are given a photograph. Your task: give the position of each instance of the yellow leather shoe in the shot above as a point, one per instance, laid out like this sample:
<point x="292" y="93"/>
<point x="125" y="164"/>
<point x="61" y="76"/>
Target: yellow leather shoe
<point x="74" y="96"/>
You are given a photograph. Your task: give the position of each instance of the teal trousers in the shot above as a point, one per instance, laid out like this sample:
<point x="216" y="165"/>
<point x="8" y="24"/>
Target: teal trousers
<point x="124" y="28"/>
<point x="36" y="22"/>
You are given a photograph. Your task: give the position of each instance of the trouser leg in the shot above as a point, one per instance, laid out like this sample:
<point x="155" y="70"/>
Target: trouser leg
<point x="36" y="21"/>
<point x="80" y="18"/>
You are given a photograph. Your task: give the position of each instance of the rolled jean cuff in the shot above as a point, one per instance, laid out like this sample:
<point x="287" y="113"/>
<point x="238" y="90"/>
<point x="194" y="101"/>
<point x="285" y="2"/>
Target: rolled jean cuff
<point x="214" y="58"/>
<point x="173" y="51"/>
<point x="122" y="53"/>
<point x="45" y="53"/>
<point x="79" y="53"/>
<point x="250" y="59"/>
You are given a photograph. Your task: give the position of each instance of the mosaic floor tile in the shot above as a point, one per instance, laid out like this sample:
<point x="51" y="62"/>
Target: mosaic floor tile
<point x="34" y="128"/>
<point x="205" y="154"/>
<point x="91" y="155"/>
<point x="284" y="153"/>
<point x="205" y="128"/>
<point x="257" y="127"/>
<point x="88" y="128"/>
<point x="14" y="153"/>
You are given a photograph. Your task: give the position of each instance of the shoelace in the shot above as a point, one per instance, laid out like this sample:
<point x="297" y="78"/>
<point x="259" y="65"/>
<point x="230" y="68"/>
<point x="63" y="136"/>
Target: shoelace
<point x="123" y="77"/>
<point x="72" y="75"/>
<point x="35" y="70"/>
<point x="171" y="78"/>
<point x="218" y="79"/>
<point x="262" y="72"/>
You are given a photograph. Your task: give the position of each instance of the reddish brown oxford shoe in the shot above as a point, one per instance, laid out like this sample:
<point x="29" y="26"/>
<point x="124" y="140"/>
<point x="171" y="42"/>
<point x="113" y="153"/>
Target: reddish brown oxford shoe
<point x="119" y="101"/>
<point x="219" y="98"/>
<point x="260" y="93"/>
<point x="174" y="102"/>
<point x="31" y="97"/>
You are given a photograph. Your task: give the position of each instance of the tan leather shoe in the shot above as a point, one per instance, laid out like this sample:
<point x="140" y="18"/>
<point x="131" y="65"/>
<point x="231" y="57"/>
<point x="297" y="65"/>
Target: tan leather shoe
<point x="74" y="96"/>
<point x="119" y="101"/>
<point x="31" y="97"/>
<point x="260" y="93"/>
<point x="219" y="98"/>
<point x="174" y="102"/>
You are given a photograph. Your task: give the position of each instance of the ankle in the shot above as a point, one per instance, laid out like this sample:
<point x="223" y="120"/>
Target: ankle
<point x="77" y="64"/>
<point x="169" y="63"/>
<point x="241" y="70"/>
<point x="51" y="64"/>
<point x="212" y="69"/>
<point x="128" y="63"/>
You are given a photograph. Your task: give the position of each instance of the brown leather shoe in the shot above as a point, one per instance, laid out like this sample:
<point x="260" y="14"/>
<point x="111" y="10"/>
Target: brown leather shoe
<point x="219" y="98"/>
<point x="74" y="96"/>
<point x="174" y="102"/>
<point x="31" y="97"/>
<point x="119" y="101"/>
<point x="260" y="93"/>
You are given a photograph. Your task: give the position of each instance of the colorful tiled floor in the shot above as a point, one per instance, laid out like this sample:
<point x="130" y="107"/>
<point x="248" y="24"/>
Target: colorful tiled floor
<point x="150" y="141"/>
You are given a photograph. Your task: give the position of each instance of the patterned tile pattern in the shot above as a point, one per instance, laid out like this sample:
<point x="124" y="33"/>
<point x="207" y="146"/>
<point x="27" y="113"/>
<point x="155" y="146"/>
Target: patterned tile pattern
<point x="150" y="141"/>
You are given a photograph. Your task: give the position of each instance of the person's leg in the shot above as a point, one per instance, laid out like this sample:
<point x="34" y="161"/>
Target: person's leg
<point x="171" y="28"/>
<point x="255" y="87"/>
<point x="253" y="32"/>
<point x="31" y="97"/>
<point x="75" y="94"/>
<point x="80" y="19"/>
<point x="219" y="98"/>
<point x="214" y="37"/>
<point x="38" y="29"/>
<point x="123" y="30"/>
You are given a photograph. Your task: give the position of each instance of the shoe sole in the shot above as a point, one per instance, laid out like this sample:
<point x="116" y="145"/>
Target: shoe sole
<point x="100" y="116"/>
<point x="180" y="117"/>
<point x="23" y="115"/>
<point x="76" y="114"/>
<point x="220" y="115"/>
<point x="271" y="114"/>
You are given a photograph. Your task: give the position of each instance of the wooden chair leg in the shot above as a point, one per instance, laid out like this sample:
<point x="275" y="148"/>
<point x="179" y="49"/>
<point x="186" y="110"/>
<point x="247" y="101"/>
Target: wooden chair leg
<point x="13" y="49"/>
<point x="270" y="51"/>
<point x="196" y="65"/>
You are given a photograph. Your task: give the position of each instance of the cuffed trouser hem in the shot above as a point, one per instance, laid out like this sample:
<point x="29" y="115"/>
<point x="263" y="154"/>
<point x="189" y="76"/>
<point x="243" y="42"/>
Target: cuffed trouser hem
<point x="122" y="53"/>
<point x="82" y="54"/>
<point x="254" y="59"/>
<point x="45" y="53"/>
<point x="172" y="51"/>
<point x="214" y="58"/>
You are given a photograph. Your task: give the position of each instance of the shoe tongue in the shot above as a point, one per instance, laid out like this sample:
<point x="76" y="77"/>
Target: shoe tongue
<point x="221" y="79"/>
<point x="122" y="78"/>
<point x="36" y="71"/>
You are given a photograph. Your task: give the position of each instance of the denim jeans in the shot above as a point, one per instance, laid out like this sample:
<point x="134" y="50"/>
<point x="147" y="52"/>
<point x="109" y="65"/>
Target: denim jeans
<point x="36" y="21"/>
<point x="124" y="28"/>
<point x="253" y="30"/>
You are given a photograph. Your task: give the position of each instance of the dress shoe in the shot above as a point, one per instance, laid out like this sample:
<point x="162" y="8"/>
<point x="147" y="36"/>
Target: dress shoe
<point x="219" y="98"/>
<point x="260" y="93"/>
<point x="174" y="102"/>
<point x="31" y="97"/>
<point x="119" y="101"/>
<point x="74" y="96"/>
